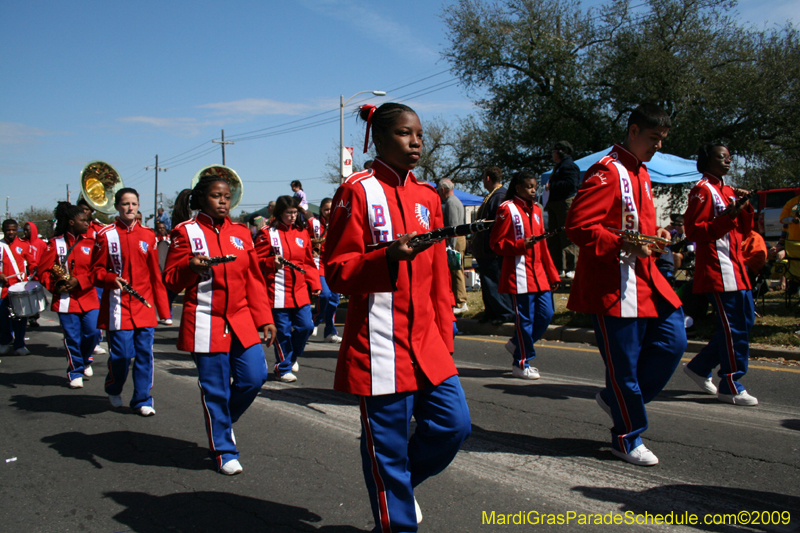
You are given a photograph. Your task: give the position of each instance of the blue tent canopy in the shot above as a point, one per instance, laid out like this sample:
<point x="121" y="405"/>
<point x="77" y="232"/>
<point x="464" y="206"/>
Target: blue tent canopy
<point x="466" y="198"/>
<point x="663" y="168"/>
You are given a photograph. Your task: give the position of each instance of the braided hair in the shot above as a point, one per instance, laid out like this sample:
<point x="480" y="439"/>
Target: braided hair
<point x="201" y="190"/>
<point x="383" y="118"/>
<point x="64" y="212"/>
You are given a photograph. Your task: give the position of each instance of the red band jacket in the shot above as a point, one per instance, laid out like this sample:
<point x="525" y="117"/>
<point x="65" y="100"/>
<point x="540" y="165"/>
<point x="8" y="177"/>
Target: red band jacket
<point x="230" y="298"/>
<point x="719" y="264"/>
<point x="79" y="264"/>
<point x="287" y="288"/>
<point x="616" y="194"/>
<point x="399" y="328"/>
<point x="524" y="269"/>
<point x="130" y="253"/>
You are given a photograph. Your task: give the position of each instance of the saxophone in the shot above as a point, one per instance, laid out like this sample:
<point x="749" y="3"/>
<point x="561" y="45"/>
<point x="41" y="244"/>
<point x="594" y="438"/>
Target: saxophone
<point x="62" y="276"/>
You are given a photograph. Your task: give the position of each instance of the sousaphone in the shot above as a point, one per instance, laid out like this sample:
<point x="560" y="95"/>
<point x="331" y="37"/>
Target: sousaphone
<point x="99" y="183"/>
<point x="229" y="175"/>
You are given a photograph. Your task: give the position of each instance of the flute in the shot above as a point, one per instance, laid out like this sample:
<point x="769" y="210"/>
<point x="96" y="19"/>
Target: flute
<point x="214" y="261"/>
<point x="130" y="290"/>
<point x="437" y="235"/>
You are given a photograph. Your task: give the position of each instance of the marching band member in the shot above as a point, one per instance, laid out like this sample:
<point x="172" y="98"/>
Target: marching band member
<point x="287" y="240"/>
<point x="163" y="237"/>
<point x="528" y="272"/>
<point x="638" y="320"/>
<point x="94" y="227"/>
<point x="398" y="340"/>
<point x="74" y="299"/>
<point x="18" y="255"/>
<point x="125" y="255"/>
<point x="721" y="275"/>
<point x="30" y="234"/>
<point x="223" y="309"/>
<point x="328" y="301"/>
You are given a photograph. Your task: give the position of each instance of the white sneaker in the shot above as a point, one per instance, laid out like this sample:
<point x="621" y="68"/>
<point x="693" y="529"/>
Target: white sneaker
<point x="295" y="367"/>
<point x="231" y="468"/>
<point x="639" y="456"/>
<point x="288" y="378"/>
<point x="87" y="371"/>
<point x="603" y="405"/>
<point x="6" y="349"/>
<point x="168" y="322"/>
<point x="22" y="351"/>
<point x="705" y="384"/>
<point x="460" y="309"/>
<point x="743" y="398"/>
<point x="146" y="410"/>
<point x="417" y="510"/>
<point x="570" y="274"/>
<point x="314" y="332"/>
<point x="115" y="399"/>
<point x="511" y="347"/>
<point x="334" y="338"/>
<point x="98" y="350"/>
<point x="76" y="383"/>
<point x="527" y="373"/>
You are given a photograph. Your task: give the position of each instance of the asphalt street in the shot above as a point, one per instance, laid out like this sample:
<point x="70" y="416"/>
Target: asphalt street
<point x="70" y="462"/>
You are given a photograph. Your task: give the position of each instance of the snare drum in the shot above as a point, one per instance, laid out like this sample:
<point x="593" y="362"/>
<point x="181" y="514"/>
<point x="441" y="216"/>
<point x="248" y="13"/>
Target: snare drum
<point x="27" y="299"/>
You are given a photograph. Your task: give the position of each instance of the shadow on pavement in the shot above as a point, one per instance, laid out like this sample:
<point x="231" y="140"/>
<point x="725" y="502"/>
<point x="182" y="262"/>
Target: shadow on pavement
<point x="132" y="448"/>
<point x="214" y="512"/>
<point x="76" y="404"/>
<point x="791" y="423"/>
<point x="191" y="372"/>
<point x="483" y="440"/>
<point x="553" y="391"/>
<point x="484" y="372"/>
<point x="32" y="378"/>
<point x="701" y="500"/>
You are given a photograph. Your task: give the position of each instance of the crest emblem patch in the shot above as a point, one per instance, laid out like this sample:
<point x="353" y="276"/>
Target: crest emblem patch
<point x="299" y="241"/>
<point x="423" y="216"/>
<point x="86" y="249"/>
<point x="143" y="247"/>
<point x="237" y="243"/>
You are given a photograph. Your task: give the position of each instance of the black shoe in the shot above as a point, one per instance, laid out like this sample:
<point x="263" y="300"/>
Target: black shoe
<point x="484" y="319"/>
<point x="33" y="323"/>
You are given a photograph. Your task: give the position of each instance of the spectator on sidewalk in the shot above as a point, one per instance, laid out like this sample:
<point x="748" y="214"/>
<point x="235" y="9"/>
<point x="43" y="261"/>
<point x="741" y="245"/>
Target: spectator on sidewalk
<point x="453" y="211"/>
<point x="563" y="186"/>
<point x="497" y="306"/>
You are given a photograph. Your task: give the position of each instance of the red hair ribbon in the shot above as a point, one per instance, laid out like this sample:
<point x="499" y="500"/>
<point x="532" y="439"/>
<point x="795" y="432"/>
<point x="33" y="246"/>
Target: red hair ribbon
<point x="372" y="109"/>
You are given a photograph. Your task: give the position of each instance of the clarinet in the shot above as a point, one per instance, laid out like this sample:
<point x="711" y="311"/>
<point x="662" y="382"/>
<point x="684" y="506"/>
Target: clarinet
<point x="437" y="235"/>
<point x="214" y="261"/>
<point x="130" y="290"/>
<point x="285" y="262"/>
<point x="739" y="203"/>
<point x="544" y="236"/>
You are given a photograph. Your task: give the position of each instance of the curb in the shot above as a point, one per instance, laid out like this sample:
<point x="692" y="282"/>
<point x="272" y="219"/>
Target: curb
<point x="471" y="326"/>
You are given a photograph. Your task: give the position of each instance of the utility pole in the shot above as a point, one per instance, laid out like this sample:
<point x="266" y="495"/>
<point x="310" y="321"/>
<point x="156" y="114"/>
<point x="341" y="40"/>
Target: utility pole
<point x="155" y="196"/>
<point x="223" y="142"/>
<point x="7" y="215"/>
<point x="68" y="196"/>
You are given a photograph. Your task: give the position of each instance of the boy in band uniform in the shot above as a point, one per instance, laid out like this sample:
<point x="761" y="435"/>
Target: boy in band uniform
<point x="637" y="316"/>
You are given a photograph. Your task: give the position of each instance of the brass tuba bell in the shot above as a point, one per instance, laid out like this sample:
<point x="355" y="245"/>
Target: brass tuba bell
<point x="99" y="183"/>
<point x="229" y="175"/>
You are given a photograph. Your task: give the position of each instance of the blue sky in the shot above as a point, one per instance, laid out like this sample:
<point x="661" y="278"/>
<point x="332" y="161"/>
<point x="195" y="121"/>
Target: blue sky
<point x="123" y="81"/>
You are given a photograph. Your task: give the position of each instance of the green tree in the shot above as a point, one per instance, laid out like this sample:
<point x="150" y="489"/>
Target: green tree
<point x="43" y="218"/>
<point x="552" y="70"/>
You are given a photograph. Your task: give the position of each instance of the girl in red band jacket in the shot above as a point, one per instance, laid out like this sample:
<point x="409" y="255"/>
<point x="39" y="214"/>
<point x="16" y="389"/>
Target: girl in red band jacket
<point x="528" y="272"/>
<point x="75" y="300"/>
<point x="286" y="239"/>
<point x="224" y="307"/>
<point x="129" y="251"/>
